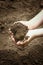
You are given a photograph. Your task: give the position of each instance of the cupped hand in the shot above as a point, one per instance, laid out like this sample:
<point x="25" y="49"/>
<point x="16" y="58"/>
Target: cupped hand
<point x="32" y="34"/>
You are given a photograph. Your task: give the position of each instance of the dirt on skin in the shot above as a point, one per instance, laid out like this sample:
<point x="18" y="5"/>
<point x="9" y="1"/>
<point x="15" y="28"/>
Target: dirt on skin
<point x="11" y="54"/>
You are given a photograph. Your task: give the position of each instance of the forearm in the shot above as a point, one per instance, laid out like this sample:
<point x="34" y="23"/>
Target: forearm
<point x="35" y="32"/>
<point x="36" y="21"/>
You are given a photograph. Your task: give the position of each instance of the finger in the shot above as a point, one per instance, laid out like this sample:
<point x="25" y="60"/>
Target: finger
<point x="11" y="35"/>
<point x="19" y="43"/>
<point x="22" y="22"/>
<point x="23" y="42"/>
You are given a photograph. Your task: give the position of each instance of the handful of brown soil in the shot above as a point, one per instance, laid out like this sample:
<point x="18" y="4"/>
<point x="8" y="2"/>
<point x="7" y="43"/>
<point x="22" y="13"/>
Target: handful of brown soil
<point x="19" y="31"/>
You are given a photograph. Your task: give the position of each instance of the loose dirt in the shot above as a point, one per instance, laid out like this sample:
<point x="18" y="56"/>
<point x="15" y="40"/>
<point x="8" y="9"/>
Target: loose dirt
<point x="11" y="54"/>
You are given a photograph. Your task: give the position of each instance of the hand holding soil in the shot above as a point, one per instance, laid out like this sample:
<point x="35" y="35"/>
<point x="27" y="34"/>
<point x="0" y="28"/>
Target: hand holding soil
<point x="27" y="37"/>
<point x="22" y="30"/>
<point x="31" y="34"/>
<point x="18" y="32"/>
<point x="32" y="25"/>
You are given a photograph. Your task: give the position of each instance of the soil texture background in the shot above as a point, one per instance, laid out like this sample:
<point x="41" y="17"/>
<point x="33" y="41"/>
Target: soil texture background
<point x="19" y="10"/>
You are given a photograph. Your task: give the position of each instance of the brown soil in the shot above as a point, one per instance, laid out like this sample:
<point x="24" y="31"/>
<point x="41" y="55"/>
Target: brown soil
<point x="11" y="54"/>
<point x="19" y="31"/>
